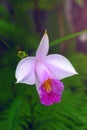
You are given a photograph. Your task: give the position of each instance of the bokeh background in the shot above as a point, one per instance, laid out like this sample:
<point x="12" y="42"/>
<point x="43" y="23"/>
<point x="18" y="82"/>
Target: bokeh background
<point x="22" y="24"/>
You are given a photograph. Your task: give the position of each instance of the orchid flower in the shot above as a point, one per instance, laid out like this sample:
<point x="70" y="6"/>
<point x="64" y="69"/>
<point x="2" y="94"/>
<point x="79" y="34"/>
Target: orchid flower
<point x="45" y="71"/>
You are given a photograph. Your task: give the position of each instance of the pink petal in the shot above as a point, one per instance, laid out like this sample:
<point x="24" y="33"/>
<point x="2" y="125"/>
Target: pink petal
<point x="53" y="96"/>
<point x="43" y="48"/>
<point x="59" y="66"/>
<point x="42" y="72"/>
<point x="25" y="71"/>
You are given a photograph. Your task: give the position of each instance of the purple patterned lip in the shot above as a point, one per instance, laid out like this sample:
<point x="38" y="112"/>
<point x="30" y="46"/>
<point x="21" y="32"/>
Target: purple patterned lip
<point x="51" y="92"/>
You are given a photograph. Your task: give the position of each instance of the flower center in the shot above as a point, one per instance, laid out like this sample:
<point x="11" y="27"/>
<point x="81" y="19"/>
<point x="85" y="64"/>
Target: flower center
<point x="47" y="85"/>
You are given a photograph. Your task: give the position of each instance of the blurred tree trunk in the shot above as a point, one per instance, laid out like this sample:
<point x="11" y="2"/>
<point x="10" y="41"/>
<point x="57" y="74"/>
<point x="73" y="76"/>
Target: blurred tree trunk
<point x="40" y="18"/>
<point x="60" y="13"/>
<point x="77" y="18"/>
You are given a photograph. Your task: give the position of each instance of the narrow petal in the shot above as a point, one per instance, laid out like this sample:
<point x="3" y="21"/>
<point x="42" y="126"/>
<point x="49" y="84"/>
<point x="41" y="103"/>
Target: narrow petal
<point x="25" y="71"/>
<point x="43" y="48"/>
<point x="59" y="66"/>
<point x="49" y="96"/>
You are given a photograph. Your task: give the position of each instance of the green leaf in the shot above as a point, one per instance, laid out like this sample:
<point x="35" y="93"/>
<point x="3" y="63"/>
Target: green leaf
<point x="12" y="118"/>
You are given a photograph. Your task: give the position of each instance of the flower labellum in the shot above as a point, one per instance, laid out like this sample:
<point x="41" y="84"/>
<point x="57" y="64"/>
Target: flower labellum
<point x="45" y="71"/>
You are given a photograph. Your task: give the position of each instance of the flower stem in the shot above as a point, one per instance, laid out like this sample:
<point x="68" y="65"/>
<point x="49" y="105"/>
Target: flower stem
<point x="59" y="40"/>
<point x="4" y="42"/>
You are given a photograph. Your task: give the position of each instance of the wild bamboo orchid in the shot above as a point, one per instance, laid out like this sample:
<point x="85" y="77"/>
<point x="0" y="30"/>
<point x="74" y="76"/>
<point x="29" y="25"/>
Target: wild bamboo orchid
<point x="45" y="71"/>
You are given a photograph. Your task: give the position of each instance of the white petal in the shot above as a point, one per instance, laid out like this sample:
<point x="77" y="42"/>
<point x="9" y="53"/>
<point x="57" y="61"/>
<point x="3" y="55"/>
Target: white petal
<point x="43" y="48"/>
<point x="59" y="66"/>
<point x="42" y="72"/>
<point x="25" y="71"/>
<point x="38" y="84"/>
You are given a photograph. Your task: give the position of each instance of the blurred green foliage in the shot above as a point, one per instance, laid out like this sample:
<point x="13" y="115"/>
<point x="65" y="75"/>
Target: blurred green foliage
<point x="20" y="108"/>
<point x="80" y="2"/>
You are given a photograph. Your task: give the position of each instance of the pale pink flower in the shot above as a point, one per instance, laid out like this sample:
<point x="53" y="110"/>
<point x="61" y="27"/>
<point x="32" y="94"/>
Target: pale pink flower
<point x="45" y="71"/>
